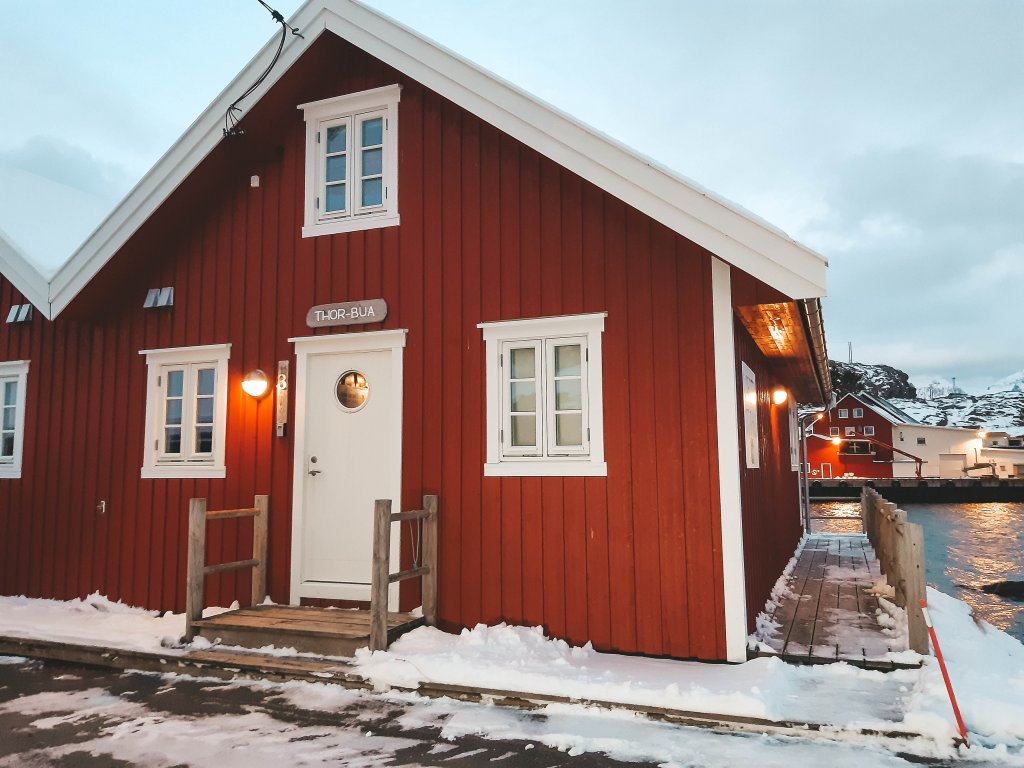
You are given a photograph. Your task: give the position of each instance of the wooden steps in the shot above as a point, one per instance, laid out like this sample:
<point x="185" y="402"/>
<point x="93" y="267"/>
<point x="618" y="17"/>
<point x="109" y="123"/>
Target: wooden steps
<point x="324" y="631"/>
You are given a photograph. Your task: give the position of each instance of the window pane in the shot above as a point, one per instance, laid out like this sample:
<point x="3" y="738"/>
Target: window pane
<point x="373" y="192"/>
<point x="7" y="445"/>
<point x="175" y="380"/>
<point x="336" y="198"/>
<point x="204" y="439"/>
<point x="524" y="430"/>
<point x="336" y="138"/>
<point x="173" y="412"/>
<point x="172" y="440"/>
<point x="10" y="392"/>
<point x="567" y="360"/>
<point x="8" y="422"/>
<point x="569" y="429"/>
<point x="206" y="379"/>
<point x="373" y="162"/>
<point x="336" y="168"/>
<point x="568" y="396"/>
<point x="523" y="363"/>
<point x="204" y="410"/>
<point x="524" y="397"/>
<point x="373" y="132"/>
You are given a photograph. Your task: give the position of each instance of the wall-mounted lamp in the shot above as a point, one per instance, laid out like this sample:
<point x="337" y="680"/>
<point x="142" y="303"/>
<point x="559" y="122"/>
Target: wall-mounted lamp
<point x="255" y="383"/>
<point x="836" y="440"/>
<point x="982" y="434"/>
<point x="779" y="396"/>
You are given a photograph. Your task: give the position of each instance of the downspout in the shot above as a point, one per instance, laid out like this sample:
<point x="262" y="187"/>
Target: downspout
<point x="814" y="325"/>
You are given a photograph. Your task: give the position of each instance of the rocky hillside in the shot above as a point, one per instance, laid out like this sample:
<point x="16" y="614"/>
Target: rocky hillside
<point x="880" y="380"/>
<point x="1001" y="408"/>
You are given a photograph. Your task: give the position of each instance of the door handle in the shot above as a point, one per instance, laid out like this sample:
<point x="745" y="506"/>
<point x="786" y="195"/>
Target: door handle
<point x="313" y="472"/>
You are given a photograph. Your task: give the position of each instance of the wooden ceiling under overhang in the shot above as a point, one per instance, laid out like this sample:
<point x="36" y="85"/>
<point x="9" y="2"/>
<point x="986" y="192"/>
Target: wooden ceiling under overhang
<point x="779" y="332"/>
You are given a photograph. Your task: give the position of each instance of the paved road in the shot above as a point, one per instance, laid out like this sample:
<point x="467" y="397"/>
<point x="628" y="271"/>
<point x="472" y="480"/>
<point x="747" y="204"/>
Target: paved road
<point x="69" y="716"/>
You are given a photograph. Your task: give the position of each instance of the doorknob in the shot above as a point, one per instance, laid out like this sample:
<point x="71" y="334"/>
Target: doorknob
<point x="313" y="472"/>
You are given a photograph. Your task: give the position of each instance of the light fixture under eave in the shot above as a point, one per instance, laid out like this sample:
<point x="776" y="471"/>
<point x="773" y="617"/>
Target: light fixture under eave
<point x="255" y="383"/>
<point x="836" y="440"/>
<point x="779" y="396"/>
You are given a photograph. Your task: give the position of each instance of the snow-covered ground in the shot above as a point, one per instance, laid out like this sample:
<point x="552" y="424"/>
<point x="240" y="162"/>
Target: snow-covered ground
<point x="987" y="667"/>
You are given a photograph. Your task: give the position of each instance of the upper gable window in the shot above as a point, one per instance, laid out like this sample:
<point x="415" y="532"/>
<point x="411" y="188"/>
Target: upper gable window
<point x="858" y="413"/>
<point x="352" y="162"/>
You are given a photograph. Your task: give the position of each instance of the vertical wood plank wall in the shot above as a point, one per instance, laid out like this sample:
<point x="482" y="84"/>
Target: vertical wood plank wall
<point x="490" y="230"/>
<point x="770" y="494"/>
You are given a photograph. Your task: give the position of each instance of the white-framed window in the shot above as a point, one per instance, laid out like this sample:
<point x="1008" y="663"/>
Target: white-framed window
<point x="186" y="411"/>
<point x="851" y="431"/>
<point x="352" y="162"/>
<point x="545" y="412"/>
<point x="858" y="413"/>
<point x="752" y="441"/>
<point x="844" y="413"/>
<point x="921" y="441"/>
<point x="833" y="431"/>
<point x="869" y="431"/>
<point x="13" y="378"/>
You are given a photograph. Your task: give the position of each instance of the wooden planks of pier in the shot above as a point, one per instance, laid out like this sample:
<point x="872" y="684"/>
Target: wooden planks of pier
<point x="325" y="631"/>
<point x="830" y="610"/>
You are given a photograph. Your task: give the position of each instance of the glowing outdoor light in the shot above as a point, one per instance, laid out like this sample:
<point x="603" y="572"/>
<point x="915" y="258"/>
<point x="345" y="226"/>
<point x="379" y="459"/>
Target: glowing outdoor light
<point x="836" y="440"/>
<point x="982" y="434"/>
<point x="779" y="396"/>
<point x="255" y="383"/>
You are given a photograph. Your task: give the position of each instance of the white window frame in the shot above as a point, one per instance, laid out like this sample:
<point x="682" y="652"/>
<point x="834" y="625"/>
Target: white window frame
<point x="844" y="413"/>
<point x="858" y="413"/>
<point x="351" y="110"/>
<point x="155" y="464"/>
<point x="751" y="428"/>
<point x="546" y="460"/>
<point x="869" y="431"/>
<point x="833" y="431"/>
<point x="16" y="371"/>
<point x="851" y="432"/>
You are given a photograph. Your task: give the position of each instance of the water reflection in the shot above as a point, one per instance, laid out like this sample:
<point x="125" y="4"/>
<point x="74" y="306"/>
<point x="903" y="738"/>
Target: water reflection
<point x="966" y="546"/>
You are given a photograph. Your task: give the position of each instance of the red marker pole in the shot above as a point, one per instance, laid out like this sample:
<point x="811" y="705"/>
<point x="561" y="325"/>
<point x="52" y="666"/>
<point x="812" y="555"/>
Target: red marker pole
<point x="945" y="673"/>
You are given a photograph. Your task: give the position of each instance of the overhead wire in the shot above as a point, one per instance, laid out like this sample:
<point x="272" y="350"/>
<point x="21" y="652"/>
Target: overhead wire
<point x="233" y="112"/>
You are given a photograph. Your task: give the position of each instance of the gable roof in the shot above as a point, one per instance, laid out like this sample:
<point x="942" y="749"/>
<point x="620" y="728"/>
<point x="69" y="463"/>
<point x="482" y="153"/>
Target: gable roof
<point x="729" y="232"/>
<point x="882" y="407"/>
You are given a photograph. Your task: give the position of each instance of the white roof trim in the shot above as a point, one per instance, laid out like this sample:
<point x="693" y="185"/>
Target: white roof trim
<point x="23" y="275"/>
<point x="731" y="234"/>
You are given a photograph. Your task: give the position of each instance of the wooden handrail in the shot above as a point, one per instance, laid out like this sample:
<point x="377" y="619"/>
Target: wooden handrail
<point x="198" y="570"/>
<point x="382" y="577"/>
<point x="899" y="547"/>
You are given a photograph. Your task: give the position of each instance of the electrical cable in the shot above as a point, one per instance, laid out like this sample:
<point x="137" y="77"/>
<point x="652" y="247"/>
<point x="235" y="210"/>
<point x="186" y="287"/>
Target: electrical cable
<point x="233" y="113"/>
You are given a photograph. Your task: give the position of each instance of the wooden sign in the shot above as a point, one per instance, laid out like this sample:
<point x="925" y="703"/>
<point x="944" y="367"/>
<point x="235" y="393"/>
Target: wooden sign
<point x="347" y="313"/>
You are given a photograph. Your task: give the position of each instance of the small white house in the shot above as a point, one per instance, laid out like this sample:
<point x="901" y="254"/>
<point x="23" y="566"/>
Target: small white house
<point x="1005" y="452"/>
<point x="945" y="451"/>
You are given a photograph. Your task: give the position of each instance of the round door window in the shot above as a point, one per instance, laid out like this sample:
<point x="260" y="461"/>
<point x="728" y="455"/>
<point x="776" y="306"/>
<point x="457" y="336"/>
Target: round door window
<point x="352" y="390"/>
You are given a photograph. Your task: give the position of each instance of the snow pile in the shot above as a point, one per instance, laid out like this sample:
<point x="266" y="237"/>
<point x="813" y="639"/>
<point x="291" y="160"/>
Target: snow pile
<point x="993" y="411"/>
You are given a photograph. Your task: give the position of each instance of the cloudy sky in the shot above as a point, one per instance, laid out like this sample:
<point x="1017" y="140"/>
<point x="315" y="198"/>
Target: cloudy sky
<point x="887" y="135"/>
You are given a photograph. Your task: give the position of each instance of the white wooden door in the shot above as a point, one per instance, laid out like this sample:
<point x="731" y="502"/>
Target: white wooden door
<point x="347" y="456"/>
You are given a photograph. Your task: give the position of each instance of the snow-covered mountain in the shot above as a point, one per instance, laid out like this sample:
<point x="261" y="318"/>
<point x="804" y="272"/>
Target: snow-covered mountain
<point x="1000" y="408"/>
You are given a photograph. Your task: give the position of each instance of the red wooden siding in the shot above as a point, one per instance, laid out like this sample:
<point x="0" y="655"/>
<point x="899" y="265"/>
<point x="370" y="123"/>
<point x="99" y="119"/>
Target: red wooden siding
<point x="490" y="230"/>
<point x="769" y="494"/>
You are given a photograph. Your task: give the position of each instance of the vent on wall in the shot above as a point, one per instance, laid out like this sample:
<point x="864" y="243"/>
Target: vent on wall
<point x="20" y="313"/>
<point x="159" y="297"/>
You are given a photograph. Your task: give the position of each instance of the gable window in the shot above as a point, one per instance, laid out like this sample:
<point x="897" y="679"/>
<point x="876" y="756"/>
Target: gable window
<point x="869" y="431"/>
<point x="186" y="411"/>
<point x="844" y="413"/>
<point x="544" y="396"/>
<point x="850" y="431"/>
<point x="352" y="162"/>
<point x="13" y="377"/>
<point x="833" y="431"/>
<point x="858" y="413"/>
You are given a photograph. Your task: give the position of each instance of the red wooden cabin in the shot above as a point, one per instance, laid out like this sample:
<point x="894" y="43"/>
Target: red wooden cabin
<point x="575" y="349"/>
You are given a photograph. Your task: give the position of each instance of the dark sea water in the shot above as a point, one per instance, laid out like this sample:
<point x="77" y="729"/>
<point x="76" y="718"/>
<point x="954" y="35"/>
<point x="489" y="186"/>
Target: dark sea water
<point x="966" y="546"/>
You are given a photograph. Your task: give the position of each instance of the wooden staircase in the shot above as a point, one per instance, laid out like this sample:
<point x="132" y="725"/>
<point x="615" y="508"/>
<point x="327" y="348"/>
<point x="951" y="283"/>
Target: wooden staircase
<point x="324" y="631"/>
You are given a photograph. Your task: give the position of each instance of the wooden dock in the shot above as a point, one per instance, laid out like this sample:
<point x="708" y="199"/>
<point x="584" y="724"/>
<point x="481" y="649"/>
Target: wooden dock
<point x="324" y="631"/>
<point x="830" y="611"/>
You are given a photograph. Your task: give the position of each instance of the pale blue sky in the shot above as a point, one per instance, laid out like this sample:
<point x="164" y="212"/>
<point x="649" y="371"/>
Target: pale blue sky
<point x="884" y="134"/>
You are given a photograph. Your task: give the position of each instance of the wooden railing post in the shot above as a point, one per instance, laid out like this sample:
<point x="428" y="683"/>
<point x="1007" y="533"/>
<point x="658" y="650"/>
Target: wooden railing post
<point x="916" y="590"/>
<point x="196" y="563"/>
<point x="380" y="578"/>
<point x="429" y="583"/>
<point x="260" y="525"/>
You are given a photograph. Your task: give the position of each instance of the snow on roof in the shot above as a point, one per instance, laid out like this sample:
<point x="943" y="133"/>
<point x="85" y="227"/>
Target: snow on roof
<point x="30" y="204"/>
<point x="723" y="228"/>
<point x="885" y="409"/>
